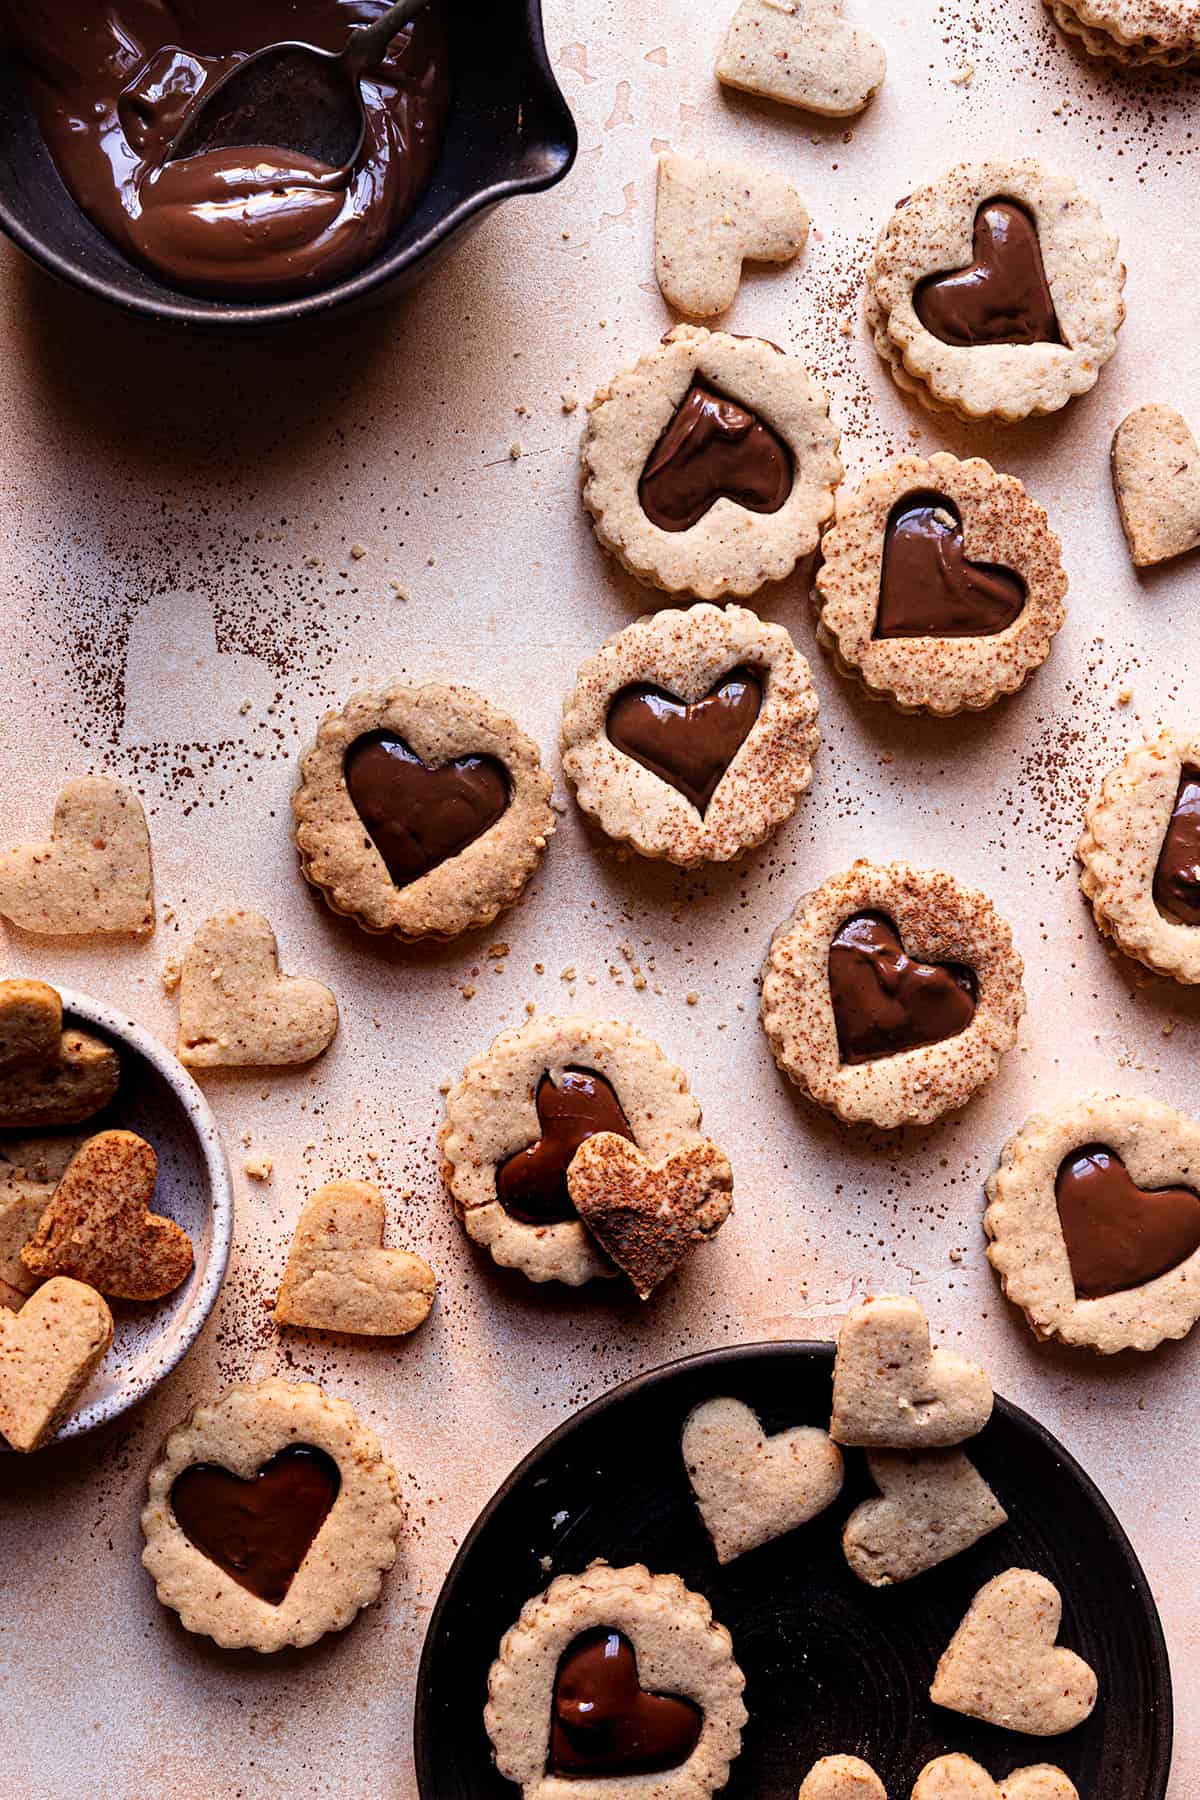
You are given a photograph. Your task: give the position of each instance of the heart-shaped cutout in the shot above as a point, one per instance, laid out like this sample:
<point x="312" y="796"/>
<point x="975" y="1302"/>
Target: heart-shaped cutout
<point x="646" y="1215"/>
<point x="235" y="1008"/>
<point x="713" y="449"/>
<point x="604" y="1723"/>
<point x="340" y="1278"/>
<point x="1156" y="474"/>
<point x="99" y="1228"/>
<point x="891" y="1390"/>
<point x="842" y="1778"/>
<point x="885" y="1002"/>
<point x="1005" y="1666"/>
<point x="259" y="1530"/>
<point x="1118" y="1235"/>
<point x="1003" y="297"/>
<point x="933" y="1505"/>
<point x="689" y="745"/>
<point x="958" y="1777"/>
<point x="1177" y="874"/>
<point x="532" y="1183"/>
<point x="49" y="1352"/>
<point x="420" y="815"/>
<point x="93" y="877"/>
<point x="802" y="54"/>
<point x="928" y="588"/>
<point x="751" y="1488"/>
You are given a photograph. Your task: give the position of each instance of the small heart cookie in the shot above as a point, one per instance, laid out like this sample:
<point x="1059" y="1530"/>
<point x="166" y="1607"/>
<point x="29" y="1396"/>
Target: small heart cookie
<point x="237" y="1011"/>
<point x="842" y="1778"/>
<point x="48" y="1354"/>
<point x="1156" y="476"/>
<point x="94" y="877"/>
<point x="958" y="1778"/>
<point x="646" y="1215"/>
<point x="30" y="1023"/>
<point x="803" y="53"/>
<point x="340" y="1278"/>
<point x="749" y="1487"/>
<point x="48" y="1076"/>
<point x="933" y="1505"/>
<point x="99" y="1228"/>
<point x="891" y="1391"/>
<point x="1004" y="1665"/>
<point x="711" y="218"/>
<point x="30" y="1170"/>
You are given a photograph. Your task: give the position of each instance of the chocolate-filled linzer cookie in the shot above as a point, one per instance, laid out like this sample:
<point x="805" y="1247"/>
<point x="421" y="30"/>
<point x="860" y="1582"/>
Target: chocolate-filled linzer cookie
<point x="995" y="292"/>
<point x="1157" y="33"/>
<point x="891" y="994"/>
<point x="709" y="467"/>
<point x="422" y="811"/>
<point x="690" y="735"/>
<point x="942" y="585"/>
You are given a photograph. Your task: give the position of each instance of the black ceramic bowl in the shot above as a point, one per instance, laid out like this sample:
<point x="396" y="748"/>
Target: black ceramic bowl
<point x="510" y="132"/>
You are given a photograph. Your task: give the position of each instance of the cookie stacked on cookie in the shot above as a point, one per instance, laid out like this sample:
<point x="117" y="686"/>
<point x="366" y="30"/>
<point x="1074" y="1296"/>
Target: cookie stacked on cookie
<point x="1162" y="34"/>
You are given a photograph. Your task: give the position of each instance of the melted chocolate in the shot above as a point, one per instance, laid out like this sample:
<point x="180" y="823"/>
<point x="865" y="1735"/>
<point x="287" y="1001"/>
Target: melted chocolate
<point x="929" y="589"/>
<point x="689" y="746"/>
<point x="419" y="816"/>
<point x="884" y="1002"/>
<point x="532" y="1184"/>
<point x="113" y="84"/>
<point x="259" y="1531"/>
<point x="1118" y="1235"/>
<point x="1177" y="877"/>
<point x="1003" y="297"/>
<point x="713" y="449"/>
<point x="604" y="1723"/>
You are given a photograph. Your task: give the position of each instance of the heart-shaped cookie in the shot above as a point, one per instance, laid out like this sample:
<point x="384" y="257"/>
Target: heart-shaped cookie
<point x="713" y="449"/>
<point x="647" y="1215"/>
<point x="1005" y="1666"/>
<point x="93" y="877"/>
<point x="886" y="1002"/>
<point x="803" y="53"/>
<point x="929" y="588"/>
<point x="259" y="1531"/>
<point x="713" y="216"/>
<point x="49" y="1352"/>
<point x="689" y="745"/>
<point x="235" y="1008"/>
<point x="531" y="1184"/>
<point x="604" y="1723"/>
<point x="959" y="1778"/>
<point x="1003" y="297"/>
<point x="99" y="1228"/>
<point x="30" y="1023"/>
<point x="749" y="1487"/>
<point x="340" y="1278"/>
<point x="842" y="1778"/>
<point x="419" y="816"/>
<point x="892" y="1391"/>
<point x="48" y="1076"/>
<point x="933" y="1505"/>
<point x="1120" y="1236"/>
<point x="1156" y="475"/>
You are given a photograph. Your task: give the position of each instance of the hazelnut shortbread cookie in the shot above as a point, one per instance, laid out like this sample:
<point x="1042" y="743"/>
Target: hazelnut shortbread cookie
<point x="958" y="1777"/>
<point x="271" y="1517"/>
<point x="891" y="994"/>
<point x="1141" y="855"/>
<point x="647" y="1215"/>
<point x="842" y="1778"/>
<point x="520" y="1113"/>
<point x="803" y="53"/>
<point x="932" y="1505"/>
<point x="93" y="877"/>
<point x="709" y="467"/>
<point x="30" y="1170"/>
<point x="1004" y="1664"/>
<point x="1094" y="1221"/>
<point x="50" y="1073"/>
<point x="616" y="1682"/>
<point x="1156" y="478"/>
<point x="713" y="216"/>
<point x="942" y="585"/>
<point x="339" y="1277"/>
<point x="1155" y="33"/>
<point x="49" y="1351"/>
<point x="751" y="1488"/>
<point x="691" y="735"/>
<point x="892" y="1390"/>
<point x="995" y="292"/>
<point x="421" y="811"/>
<point x="237" y="1010"/>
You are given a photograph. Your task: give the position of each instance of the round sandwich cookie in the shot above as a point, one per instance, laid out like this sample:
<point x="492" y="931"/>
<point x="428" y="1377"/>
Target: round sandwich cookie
<point x="1161" y="34"/>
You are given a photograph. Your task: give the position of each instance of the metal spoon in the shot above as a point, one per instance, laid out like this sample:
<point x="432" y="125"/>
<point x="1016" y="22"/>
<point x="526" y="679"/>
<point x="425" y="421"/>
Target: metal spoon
<point x="295" y="97"/>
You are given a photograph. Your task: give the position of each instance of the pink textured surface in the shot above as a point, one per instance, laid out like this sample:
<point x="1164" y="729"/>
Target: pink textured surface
<point x="181" y="602"/>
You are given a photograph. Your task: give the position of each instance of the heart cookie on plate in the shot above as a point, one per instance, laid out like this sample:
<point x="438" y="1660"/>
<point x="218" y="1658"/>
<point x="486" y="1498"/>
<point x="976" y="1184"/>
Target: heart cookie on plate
<point x="842" y="1778"/>
<point x="751" y="1488"/>
<point x="892" y="1391"/>
<point x="1004" y="1664"/>
<point x="933" y="1504"/>
<point x="959" y="1778"/>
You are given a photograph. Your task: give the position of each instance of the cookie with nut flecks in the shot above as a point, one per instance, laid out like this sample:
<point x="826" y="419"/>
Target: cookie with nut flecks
<point x="339" y="1275"/>
<point x="52" y="1073"/>
<point x="713" y="216"/>
<point x="238" y="1010"/>
<point x="892" y="1390"/>
<point x="1005" y="1665"/>
<point x="932" y="1505"/>
<point x="1162" y="34"/>
<point x="1156" y="478"/>
<point x="49" y="1351"/>
<point x="958" y="1777"/>
<point x="803" y="53"/>
<point x="93" y="878"/>
<point x="751" y="1487"/>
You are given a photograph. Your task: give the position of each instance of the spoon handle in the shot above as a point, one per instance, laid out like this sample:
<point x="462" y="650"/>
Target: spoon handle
<point x="367" y="45"/>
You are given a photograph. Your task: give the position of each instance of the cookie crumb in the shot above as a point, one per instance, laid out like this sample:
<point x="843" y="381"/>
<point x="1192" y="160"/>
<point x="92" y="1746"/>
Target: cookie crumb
<point x="259" y="1168"/>
<point x="172" y="974"/>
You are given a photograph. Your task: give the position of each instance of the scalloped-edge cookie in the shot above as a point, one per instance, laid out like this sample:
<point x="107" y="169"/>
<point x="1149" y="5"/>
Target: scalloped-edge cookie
<point x="559" y="1656"/>
<point x="959" y="1777"/>
<point x="932" y="1505"/>
<point x="713" y="216"/>
<point x="842" y="1778"/>
<point x="941" y="586"/>
<point x="690" y="735"/>
<point x="421" y="811"/>
<point x="751" y="1488"/>
<point x="1139" y="33"/>
<point x="522" y="1109"/>
<point x="1004" y="1663"/>
<point x="1101" y="1195"/>
<point x="758" y="411"/>
<point x="339" y="1570"/>
<point x="877" y="930"/>
<point x="891" y="1390"/>
<point x="936" y="233"/>
<point x="94" y="876"/>
<point x="804" y="54"/>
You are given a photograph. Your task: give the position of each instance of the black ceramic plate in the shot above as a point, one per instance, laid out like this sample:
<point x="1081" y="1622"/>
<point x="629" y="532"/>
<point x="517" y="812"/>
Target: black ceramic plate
<point x="831" y="1665"/>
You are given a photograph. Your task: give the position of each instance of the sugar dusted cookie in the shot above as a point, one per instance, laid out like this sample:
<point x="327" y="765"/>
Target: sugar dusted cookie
<point x="957" y="1777"/>
<point x="709" y="467"/>
<point x="995" y="292"/>
<point x="751" y="1488"/>
<point x="1094" y="1221"/>
<point x="691" y="735"/>
<point x="1005" y="1666"/>
<point x="892" y="1391"/>
<point x="1139" y="33"/>
<point x="340" y="1278"/>
<point x="711" y="218"/>
<point x="271" y="1518"/>
<point x="941" y="585"/>
<point x="842" y="1778"/>
<point x="93" y="877"/>
<point x="933" y="1505"/>
<point x="648" y="1216"/>
<point x="803" y="53"/>
<point x="49" y="1351"/>
<point x="891" y="994"/>
<point x="235" y="1008"/>
<point x="49" y="1075"/>
<point x="1156" y="476"/>
<point x="612" y="1678"/>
